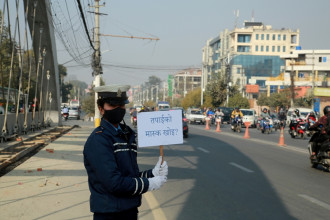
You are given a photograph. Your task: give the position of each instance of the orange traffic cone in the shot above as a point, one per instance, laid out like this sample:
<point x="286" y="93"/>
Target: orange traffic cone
<point x="207" y="124"/>
<point x="218" y="126"/>
<point x="246" y="135"/>
<point x="281" y="142"/>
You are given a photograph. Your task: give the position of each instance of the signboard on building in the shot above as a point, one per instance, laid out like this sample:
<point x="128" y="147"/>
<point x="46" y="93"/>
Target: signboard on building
<point x="322" y="92"/>
<point x="252" y="88"/>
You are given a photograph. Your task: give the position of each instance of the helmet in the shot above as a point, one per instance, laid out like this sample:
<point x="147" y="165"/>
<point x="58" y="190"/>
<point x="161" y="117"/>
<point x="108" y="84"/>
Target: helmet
<point x="311" y="113"/>
<point x="265" y="109"/>
<point x="236" y="107"/>
<point x="296" y="111"/>
<point x="326" y="110"/>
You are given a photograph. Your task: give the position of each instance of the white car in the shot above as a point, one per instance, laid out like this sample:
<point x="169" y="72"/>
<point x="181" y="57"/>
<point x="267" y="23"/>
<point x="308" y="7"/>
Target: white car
<point x="249" y="115"/>
<point x="195" y="116"/>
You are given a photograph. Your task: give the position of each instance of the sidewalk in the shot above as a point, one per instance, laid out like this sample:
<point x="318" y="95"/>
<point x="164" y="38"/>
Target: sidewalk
<point x="59" y="191"/>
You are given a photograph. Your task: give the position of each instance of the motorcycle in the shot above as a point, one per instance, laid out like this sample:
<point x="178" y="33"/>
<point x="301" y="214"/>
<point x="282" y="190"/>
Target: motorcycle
<point x="265" y="126"/>
<point x="258" y="123"/>
<point x="298" y="128"/>
<point x="134" y="121"/>
<point x="65" y="116"/>
<point x="237" y="124"/>
<point x="310" y="122"/>
<point x="212" y="119"/>
<point x="323" y="156"/>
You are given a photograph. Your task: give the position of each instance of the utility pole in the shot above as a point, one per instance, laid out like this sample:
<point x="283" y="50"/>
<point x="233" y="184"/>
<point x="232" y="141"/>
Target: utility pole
<point x="202" y="84"/>
<point x="313" y="79"/>
<point x="97" y="61"/>
<point x="292" y="84"/>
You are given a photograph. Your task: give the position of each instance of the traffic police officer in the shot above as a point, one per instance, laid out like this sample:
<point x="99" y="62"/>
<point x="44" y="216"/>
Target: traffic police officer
<point x="110" y="159"/>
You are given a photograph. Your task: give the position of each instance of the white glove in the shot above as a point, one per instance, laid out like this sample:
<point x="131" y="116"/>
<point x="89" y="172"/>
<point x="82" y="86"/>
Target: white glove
<point x="160" y="169"/>
<point x="156" y="182"/>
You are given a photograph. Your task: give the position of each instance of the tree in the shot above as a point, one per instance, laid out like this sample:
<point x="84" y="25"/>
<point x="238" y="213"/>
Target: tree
<point x="263" y="99"/>
<point x="192" y="99"/>
<point x="238" y="101"/>
<point x="217" y="90"/>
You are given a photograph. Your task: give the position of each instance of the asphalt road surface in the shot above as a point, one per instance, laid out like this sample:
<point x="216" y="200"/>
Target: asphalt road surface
<point x="224" y="176"/>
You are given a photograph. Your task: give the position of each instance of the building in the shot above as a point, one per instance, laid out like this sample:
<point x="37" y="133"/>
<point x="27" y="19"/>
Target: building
<point x="186" y="80"/>
<point x="251" y="51"/>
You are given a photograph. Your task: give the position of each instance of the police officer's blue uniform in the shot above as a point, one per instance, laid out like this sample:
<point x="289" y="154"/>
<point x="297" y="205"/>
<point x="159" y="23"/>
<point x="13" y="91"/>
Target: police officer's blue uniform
<point x="110" y="158"/>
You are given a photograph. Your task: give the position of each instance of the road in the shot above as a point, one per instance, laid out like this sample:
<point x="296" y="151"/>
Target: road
<point x="224" y="176"/>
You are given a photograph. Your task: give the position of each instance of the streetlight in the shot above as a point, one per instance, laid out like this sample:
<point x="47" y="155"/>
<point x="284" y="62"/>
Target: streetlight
<point x="228" y="85"/>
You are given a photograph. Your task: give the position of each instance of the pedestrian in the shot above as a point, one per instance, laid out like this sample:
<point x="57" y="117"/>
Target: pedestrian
<point x="110" y="159"/>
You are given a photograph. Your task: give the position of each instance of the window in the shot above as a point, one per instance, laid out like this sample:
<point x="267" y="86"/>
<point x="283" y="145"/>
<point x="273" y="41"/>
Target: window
<point x="262" y="48"/>
<point x="243" y="48"/>
<point x="273" y="48"/>
<point x="238" y="70"/>
<point x="257" y="48"/>
<point x="273" y="36"/>
<point x="320" y="59"/>
<point x="244" y="38"/>
<point x="284" y="37"/>
<point x="267" y="37"/>
<point x="278" y="48"/>
<point x="257" y="36"/>
<point x="284" y="48"/>
<point x="279" y="37"/>
<point x="262" y="36"/>
<point x="267" y="48"/>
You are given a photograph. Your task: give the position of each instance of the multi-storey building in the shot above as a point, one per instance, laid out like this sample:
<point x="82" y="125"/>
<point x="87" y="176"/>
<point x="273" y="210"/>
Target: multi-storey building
<point x="186" y="80"/>
<point x="251" y="51"/>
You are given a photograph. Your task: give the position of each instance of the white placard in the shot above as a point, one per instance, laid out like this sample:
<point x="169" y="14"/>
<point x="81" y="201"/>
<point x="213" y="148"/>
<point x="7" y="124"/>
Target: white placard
<point x="159" y="128"/>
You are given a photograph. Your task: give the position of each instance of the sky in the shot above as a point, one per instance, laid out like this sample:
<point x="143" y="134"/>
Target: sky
<point x="183" y="28"/>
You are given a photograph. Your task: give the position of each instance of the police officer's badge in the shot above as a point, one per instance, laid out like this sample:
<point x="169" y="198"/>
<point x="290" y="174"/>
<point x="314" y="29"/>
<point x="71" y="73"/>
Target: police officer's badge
<point x="119" y="93"/>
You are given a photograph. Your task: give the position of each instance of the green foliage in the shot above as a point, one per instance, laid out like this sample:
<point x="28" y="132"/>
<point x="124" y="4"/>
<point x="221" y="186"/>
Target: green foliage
<point x="275" y="99"/>
<point x="304" y="101"/>
<point x="263" y="100"/>
<point x="193" y="98"/>
<point x="238" y="101"/>
<point x="88" y="105"/>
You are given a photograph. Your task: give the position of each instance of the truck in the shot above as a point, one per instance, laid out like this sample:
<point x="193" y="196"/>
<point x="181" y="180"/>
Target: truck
<point x="162" y="105"/>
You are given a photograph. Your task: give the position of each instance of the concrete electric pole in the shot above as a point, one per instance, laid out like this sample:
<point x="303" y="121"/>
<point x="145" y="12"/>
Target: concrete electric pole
<point x="97" y="61"/>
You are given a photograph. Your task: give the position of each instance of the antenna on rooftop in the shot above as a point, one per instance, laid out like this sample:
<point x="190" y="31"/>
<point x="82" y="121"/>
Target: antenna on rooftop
<point x="252" y="18"/>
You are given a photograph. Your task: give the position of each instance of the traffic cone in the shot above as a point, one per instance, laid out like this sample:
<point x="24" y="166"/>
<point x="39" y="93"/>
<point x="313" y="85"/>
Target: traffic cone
<point x="281" y="142"/>
<point x="218" y="127"/>
<point x="246" y="135"/>
<point x="207" y="124"/>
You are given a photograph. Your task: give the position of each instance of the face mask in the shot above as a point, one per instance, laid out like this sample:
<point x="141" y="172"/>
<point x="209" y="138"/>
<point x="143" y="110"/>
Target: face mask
<point x="114" y="116"/>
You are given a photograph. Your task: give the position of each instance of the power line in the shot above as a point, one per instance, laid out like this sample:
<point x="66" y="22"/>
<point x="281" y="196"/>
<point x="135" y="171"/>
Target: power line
<point x="85" y="25"/>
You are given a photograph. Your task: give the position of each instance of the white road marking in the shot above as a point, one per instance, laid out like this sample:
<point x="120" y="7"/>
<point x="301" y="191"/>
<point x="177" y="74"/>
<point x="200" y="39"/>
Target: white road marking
<point x="156" y="209"/>
<point x="241" y="167"/>
<point x="315" y="201"/>
<point x="266" y="143"/>
<point x="202" y="149"/>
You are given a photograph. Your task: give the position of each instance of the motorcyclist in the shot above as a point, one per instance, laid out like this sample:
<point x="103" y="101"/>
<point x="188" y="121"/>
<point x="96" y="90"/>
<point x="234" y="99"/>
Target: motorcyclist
<point x="65" y="112"/>
<point x="236" y="113"/>
<point x="310" y="118"/>
<point x="294" y="120"/>
<point x="324" y="135"/>
<point x="264" y="115"/>
<point x="282" y="117"/>
<point x="210" y="114"/>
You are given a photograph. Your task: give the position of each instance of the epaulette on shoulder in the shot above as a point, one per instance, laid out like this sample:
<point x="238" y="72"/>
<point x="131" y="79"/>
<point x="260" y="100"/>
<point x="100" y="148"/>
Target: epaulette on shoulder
<point x="99" y="130"/>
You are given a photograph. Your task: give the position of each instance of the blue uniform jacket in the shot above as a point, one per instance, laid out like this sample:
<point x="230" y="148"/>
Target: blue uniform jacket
<point x="114" y="179"/>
